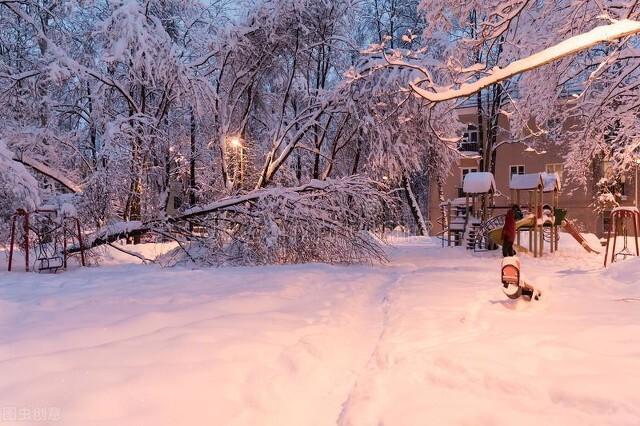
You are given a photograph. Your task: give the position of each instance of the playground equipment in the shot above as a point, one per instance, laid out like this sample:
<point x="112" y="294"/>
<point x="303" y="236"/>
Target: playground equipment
<point x="526" y="223"/>
<point x="463" y="217"/>
<point x="479" y="188"/>
<point x="53" y="233"/>
<point x="620" y="216"/>
<point x="495" y="232"/>
<point x="513" y="284"/>
<point x="540" y="222"/>
<point x="453" y="220"/>
<point x="465" y="220"/>
<point x="571" y="230"/>
<point x="537" y="185"/>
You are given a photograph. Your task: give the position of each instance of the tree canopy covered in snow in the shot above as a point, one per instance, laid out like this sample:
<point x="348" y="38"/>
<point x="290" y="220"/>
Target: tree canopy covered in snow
<point x="147" y="110"/>
<point x="566" y="70"/>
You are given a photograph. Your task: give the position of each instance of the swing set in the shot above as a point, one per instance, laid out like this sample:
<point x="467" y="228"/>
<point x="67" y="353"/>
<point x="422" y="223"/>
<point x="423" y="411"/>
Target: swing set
<point x="620" y="218"/>
<point x="53" y="234"/>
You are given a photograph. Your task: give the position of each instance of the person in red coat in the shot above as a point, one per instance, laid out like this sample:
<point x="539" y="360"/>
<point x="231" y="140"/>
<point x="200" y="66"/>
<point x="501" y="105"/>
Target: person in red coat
<point x="509" y="233"/>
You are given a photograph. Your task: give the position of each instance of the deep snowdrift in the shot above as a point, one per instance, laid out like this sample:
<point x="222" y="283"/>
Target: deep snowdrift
<point x="426" y="339"/>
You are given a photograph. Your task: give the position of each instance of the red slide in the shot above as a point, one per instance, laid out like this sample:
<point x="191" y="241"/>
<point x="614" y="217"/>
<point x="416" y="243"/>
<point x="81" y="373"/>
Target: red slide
<point x="571" y="230"/>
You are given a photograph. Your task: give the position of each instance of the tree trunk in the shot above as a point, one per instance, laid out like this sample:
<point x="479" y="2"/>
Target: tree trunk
<point x="192" y="159"/>
<point x="445" y="219"/>
<point x="356" y="159"/>
<point x="414" y="207"/>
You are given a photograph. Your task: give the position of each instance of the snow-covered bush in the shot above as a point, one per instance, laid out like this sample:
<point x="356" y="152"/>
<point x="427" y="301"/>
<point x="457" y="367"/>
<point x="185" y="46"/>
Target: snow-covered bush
<point x="95" y="204"/>
<point x="607" y="195"/>
<point x="18" y="189"/>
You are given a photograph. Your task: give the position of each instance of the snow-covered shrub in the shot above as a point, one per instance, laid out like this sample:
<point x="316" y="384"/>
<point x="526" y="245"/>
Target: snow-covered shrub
<point x="95" y="204"/>
<point x="607" y="195"/>
<point x="18" y="189"/>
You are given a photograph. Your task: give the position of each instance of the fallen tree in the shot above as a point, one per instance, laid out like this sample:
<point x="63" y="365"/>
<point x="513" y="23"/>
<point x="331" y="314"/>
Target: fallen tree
<point x="325" y="221"/>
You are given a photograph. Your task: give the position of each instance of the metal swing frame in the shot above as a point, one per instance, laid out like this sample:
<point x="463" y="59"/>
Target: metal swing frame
<point x="69" y="225"/>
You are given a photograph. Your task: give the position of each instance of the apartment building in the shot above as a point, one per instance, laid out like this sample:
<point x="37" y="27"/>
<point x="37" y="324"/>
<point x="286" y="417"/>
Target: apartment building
<point x="520" y="158"/>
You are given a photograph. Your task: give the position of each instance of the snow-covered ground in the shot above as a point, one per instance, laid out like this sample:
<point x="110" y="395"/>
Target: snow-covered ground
<point x="427" y="339"/>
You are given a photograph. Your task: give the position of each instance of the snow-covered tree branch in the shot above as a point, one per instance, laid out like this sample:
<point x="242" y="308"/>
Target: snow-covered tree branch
<point x="564" y="49"/>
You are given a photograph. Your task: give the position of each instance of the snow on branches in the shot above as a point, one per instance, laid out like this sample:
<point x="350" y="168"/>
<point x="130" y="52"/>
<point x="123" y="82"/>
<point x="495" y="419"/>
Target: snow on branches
<point x="564" y="72"/>
<point x="206" y="124"/>
<point x="322" y="221"/>
<point x="18" y="189"/>
<point x="566" y="48"/>
<point x="328" y="221"/>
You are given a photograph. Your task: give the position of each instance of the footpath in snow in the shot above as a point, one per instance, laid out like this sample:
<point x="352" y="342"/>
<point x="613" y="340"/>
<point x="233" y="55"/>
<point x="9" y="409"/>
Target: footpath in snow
<point x="428" y="338"/>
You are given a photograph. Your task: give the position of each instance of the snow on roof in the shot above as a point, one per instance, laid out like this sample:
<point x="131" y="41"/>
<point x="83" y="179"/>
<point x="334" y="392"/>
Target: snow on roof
<point x="551" y="181"/>
<point x="478" y="183"/>
<point x="548" y="181"/>
<point x="526" y="181"/>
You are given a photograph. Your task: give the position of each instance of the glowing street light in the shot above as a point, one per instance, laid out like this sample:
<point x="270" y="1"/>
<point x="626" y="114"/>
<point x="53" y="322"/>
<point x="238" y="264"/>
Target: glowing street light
<point x="235" y="142"/>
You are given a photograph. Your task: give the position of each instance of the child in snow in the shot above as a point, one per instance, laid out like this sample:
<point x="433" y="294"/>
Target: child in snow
<point x="509" y="232"/>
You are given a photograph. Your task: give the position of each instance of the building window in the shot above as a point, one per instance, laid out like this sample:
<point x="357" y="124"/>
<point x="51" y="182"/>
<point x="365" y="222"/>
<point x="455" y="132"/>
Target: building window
<point x="617" y="183"/>
<point x="554" y="168"/>
<point x="553" y="122"/>
<point x="470" y="139"/>
<point x="517" y="169"/>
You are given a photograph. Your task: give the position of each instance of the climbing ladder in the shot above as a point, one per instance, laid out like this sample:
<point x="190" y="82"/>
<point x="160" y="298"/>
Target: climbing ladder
<point x="464" y="229"/>
<point x="453" y="222"/>
<point x="476" y="240"/>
